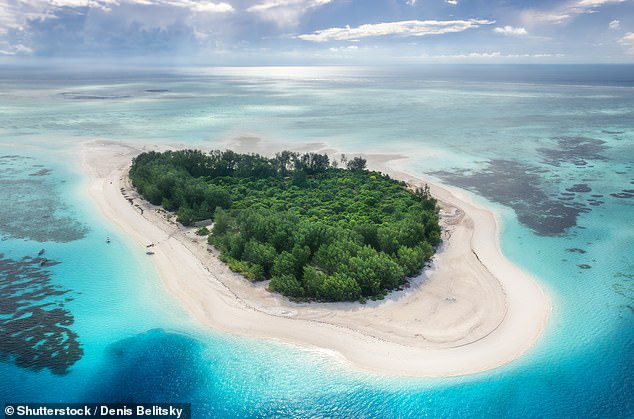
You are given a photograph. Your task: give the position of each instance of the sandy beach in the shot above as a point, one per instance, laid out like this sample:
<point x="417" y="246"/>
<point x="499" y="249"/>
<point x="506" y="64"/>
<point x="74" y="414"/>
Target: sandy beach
<point x="471" y="311"/>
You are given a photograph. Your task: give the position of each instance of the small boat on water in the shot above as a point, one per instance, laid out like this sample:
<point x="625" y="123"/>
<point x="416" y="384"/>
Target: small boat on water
<point x="149" y="252"/>
<point x="41" y="252"/>
<point x="43" y="261"/>
<point x="108" y="239"/>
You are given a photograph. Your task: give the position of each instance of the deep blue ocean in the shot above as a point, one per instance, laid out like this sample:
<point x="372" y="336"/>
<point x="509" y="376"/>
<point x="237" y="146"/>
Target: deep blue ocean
<point x="551" y="148"/>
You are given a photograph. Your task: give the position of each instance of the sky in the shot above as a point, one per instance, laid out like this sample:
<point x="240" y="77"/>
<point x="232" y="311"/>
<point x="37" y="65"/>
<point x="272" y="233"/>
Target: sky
<point x="272" y="32"/>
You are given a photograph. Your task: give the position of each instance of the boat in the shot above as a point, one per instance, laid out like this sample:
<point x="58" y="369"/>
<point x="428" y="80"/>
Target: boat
<point x="43" y="261"/>
<point x="107" y="239"/>
<point x="149" y="252"/>
<point x="41" y="252"/>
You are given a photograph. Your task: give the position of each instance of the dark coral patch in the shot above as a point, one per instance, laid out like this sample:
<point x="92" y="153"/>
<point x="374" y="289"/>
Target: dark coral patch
<point x="612" y="132"/>
<point x="34" y="325"/>
<point x="580" y="187"/>
<point x="573" y="150"/>
<point x="622" y="195"/>
<point x="31" y="208"/>
<point x="41" y="172"/>
<point x="519" y="186"/>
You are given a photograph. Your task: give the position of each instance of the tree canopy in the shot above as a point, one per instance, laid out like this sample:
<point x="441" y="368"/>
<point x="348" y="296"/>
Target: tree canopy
<point x="318" y="232"/>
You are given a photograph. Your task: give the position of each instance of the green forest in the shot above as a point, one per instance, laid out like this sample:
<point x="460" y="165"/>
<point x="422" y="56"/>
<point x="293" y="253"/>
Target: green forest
<point x="320" y="230"/>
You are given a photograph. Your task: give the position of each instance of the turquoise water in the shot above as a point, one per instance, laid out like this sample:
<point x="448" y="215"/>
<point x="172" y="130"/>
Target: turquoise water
<point x="552" y="148"/>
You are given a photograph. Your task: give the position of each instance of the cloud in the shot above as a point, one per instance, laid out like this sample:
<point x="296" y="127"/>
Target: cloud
<point x="17" y="15"/>
<point x="344" y="49"/>
<point x="201" y="6"/>
<point x="285" y="12"/>
<point x="403" y="29"/>
<point x="615" y="24"/>
<point x="60" y="26"/>
<point x="532" y="17"/>
<point x="47" y="8"/>
<point x="121" y="27"/>
<point x="565" y="12"/>
<point x="628" y="42"/>
<point x="452" y="2"/>
<point x="596" y="3"/>
<point x="495" y="55"/>
<point x="411" y="2"/>
<point x="589" y="6"/>
<point x="510" y="30"/>
<point x="18" y="49"/>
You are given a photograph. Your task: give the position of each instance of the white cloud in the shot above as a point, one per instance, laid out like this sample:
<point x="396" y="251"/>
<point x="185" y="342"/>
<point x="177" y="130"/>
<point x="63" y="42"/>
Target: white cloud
<point x="344" y="49"/>
<point x="589" y="6"/>
<point x="628" y="42"/>
<point x="16" y="50"/>
<point x="531" y="17"/>
<point x="596" y="3"/>
<point x="403" y="28"/>
<point x="277" y="4"/>
<point x="21" y="49"/>
<point x="285" y="12"/>
<point x="411" y="2"/>
<point x="18" y="18"/>
<point x="452" y="2"/>
<point x="565" y="12"/>
<point x="200" y="6"/>
<point x="18" y="14"/>
<point x="495" y="55"/>
<point x="510" y="30"/>
<point x="46" y="8"/>
<point x="7" y="18"/>
<point x="97" y="4"/>
<point x="615" y="24"/>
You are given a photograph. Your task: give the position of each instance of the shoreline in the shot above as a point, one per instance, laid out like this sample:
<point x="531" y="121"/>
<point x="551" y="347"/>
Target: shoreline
<point x="471" y="311"/>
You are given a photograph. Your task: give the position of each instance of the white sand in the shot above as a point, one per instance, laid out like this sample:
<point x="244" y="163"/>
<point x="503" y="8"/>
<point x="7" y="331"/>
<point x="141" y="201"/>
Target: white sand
<point x="472" y="311"/>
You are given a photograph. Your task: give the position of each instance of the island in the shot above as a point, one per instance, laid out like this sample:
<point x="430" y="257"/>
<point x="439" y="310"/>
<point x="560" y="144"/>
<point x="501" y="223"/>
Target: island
<point x="471" y="310"/>
<point x="317" y="231"/>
